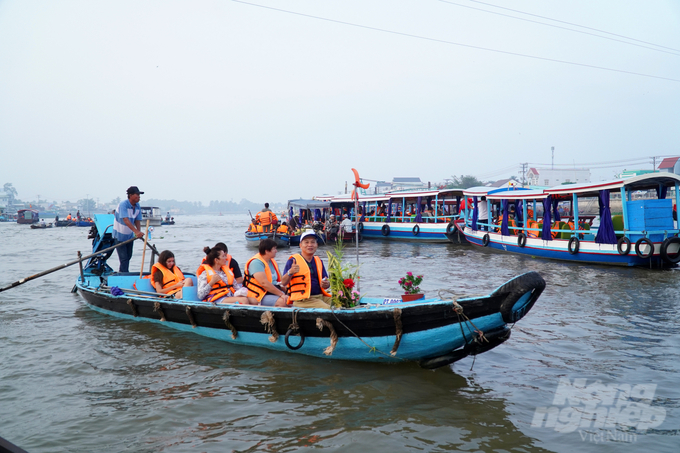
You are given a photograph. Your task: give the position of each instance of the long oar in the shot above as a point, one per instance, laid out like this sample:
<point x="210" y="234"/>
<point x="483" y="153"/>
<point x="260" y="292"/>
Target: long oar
<point x="61" y="266"/>
<point x="146" y="239"/>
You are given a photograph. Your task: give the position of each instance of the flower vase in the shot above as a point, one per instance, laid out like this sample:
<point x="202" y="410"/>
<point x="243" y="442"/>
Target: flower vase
<point x="411" y="297"/>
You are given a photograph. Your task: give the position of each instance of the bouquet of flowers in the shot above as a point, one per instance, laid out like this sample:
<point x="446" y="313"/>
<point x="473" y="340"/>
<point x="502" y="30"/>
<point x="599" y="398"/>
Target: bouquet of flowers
<point x="410" y="283"/>
<point x="343" y="280"/>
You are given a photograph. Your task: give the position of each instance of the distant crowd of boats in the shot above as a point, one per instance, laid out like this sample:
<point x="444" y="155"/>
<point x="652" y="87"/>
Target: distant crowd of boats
<point x="572" y="222"/>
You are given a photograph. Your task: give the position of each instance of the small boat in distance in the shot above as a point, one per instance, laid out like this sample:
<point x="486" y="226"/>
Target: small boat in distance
<point x="152" y="214"/>
<point x="432" y="332"/>
<point x="27" y="216"/>
<point x="41" y="226"/>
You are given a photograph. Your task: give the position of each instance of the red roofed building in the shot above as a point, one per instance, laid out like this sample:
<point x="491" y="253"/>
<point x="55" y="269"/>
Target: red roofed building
<point x="670" y="165"/>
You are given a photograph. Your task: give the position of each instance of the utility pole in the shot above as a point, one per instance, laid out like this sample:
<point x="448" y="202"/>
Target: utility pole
<point x="553" y="158"/>
<point x="523" y="173"/>
<point x="654" y="163"/>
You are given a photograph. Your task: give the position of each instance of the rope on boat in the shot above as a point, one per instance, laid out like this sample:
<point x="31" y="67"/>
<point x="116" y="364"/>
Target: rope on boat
<point x="397" y="323"/>
<point x="320" y="323"/>
<point x="191" y="317"/>
<point x="372" y="348"/>
<point x="267" y="319"/>
<point x="157" y="308"/>
<point x="229" y="325"/>
<point x="132" y="306"/>
<point x="458" y="309"/>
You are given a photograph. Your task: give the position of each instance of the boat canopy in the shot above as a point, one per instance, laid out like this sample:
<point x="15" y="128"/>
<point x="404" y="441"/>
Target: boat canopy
<point x="517" y="195"/>
<point x="642" y="182"/>
<point x="302" y="203"/>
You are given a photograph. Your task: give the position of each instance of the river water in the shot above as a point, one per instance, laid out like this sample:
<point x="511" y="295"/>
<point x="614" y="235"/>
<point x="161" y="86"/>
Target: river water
<point x="74" y="380"/>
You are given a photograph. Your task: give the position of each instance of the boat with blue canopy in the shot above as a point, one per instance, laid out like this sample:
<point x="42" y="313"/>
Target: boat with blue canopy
<point x="414" y="216"/>
<point x="626" y="221"/>
<point x="432" y="332"/>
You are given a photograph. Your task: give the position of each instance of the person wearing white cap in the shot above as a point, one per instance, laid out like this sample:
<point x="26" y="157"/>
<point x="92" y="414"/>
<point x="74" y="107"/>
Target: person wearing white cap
<point x="308" y="277"/>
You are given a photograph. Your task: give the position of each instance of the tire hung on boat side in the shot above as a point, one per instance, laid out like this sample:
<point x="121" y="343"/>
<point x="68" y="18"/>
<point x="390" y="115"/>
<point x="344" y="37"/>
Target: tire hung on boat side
<point x="385" y="230"/>
<point x="450" y="228"/>
<point x="638" y="248"/>
<point x="521" y="239"/>
<point x="573" y="245"/>
<point x="416" y="230"/>
<point x="670" y="258"/>
<point x="290" y="333"/>
<point x="623" y="246"/>
<point x="485" y="240"/>
<point x="360" y="227"/>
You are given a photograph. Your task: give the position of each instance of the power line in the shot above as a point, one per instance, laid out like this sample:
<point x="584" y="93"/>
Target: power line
<point x="562" y="28"/>
<point x="576" y="25"/>
<point x="442" y="41"/>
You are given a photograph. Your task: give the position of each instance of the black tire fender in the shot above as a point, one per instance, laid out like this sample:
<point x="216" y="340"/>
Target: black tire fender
<point x="513" y="290"/>
<point x="360" y="227"/>
<point x="521" y="240"/>
<point x="639" y="243"/>
<point x="416" y="230"/>
<point x="485" y="240"/>
<point x="672" y="258"/>
<point x="619" y="246"/>
<point x="385" y="230"/>
<point x="573" y="245"/>
<point x="444" y="360"/>
<point x="302" y="340"/>
<point x="450" y="228"/>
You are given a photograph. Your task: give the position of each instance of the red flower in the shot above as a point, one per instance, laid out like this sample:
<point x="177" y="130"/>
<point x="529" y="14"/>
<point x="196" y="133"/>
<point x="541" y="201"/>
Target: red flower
<point x="349" y="283"/>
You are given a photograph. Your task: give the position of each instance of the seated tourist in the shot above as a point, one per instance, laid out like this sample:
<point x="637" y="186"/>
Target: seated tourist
<point x="260" y="273"/>
<point x="166" y="277"/>
<point x="216" y="283"/>
<point x="232" y="264"/>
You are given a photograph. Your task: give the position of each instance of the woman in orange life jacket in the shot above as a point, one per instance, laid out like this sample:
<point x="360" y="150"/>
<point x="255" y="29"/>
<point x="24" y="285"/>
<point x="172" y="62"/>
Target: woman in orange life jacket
<point x="260" y="273"/>
<point x="166" y="277"/>
<point x="309" y="279"/>
<point x="232" y="264"/>
<point x="216" y="282"/>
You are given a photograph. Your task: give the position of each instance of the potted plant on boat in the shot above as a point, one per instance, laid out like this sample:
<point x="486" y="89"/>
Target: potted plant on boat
<point x="343" y="280"/>
<point x="410" y="284"/>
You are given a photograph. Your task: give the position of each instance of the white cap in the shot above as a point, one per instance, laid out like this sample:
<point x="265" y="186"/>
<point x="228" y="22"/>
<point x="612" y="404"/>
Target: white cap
<point x="307" y="234"/>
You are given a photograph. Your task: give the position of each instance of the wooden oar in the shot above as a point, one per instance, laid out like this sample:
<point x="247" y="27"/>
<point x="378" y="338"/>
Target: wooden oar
<point x="146" y="239"/>
<point x="62" y="266"/>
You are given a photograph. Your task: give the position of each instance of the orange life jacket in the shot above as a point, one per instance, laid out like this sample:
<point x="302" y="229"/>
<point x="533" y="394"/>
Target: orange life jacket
<point x="283" y="229"/>
<point x="300" y="283"/>
<point x="219" y="289"/>
<point x="266" y="218"/>
<point x="226" y="268"/>
<point x="532" y="224"/>
<point x="68" y="217"/>
<point x="250" y="282"/>
<point x="511" y="223"/>
<point x="170" y="277"/>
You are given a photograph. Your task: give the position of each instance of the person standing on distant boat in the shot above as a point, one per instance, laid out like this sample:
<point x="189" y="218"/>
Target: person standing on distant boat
<point x="266" y="218"/>
<point x="126" y="225"/>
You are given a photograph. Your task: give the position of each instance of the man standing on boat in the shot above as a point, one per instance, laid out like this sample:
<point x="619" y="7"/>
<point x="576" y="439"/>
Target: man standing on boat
<point x="126" y="225"/>
<point x="308" y="276"/>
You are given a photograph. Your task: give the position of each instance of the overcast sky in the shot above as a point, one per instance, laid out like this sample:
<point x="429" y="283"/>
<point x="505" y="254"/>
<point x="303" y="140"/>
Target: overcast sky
<point x="221" y="100"/>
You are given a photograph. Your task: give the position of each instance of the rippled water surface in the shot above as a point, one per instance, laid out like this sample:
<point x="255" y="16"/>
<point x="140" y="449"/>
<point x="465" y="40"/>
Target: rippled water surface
<point x="74" y="380"/>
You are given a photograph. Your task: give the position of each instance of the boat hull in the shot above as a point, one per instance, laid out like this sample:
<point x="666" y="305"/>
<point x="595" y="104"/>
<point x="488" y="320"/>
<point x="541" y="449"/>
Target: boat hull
<point x="411" y="232"/>
<point x="282" y="240"/>
<point x="429" y="331"/>
<point x="559" y="249"/>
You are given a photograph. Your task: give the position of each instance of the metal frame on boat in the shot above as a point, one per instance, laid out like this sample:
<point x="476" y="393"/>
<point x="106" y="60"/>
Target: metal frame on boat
<point x="433" y="332"/>
<point x="644" y="234"/>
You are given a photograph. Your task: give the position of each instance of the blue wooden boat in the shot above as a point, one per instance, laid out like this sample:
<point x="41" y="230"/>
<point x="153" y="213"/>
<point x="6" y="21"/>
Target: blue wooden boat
<point x="413" y="216"/>
<point x="254" y="238"/>
<point x="432" y="332"/>
<point x="644" y="234"/>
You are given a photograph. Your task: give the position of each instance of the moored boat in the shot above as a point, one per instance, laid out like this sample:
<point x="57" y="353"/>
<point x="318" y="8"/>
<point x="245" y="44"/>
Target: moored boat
<point x="433" y="332"/>
<point x="27" y="216"/>
<point x="413" y="216"/>
<point x="643" y="234"/>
